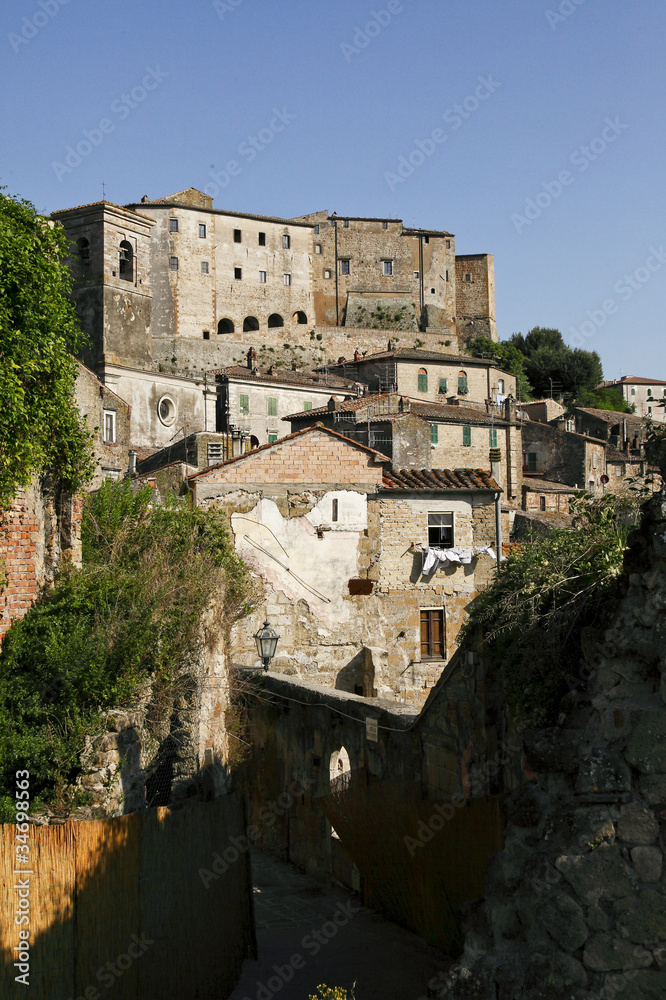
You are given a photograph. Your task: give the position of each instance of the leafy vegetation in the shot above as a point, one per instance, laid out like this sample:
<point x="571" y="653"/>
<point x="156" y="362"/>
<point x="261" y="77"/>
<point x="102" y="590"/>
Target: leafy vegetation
<point x="330" y="993"/>
<point x="40" y="427"/>
<point x="139" y="610"/>
<point x="531" y="620"/>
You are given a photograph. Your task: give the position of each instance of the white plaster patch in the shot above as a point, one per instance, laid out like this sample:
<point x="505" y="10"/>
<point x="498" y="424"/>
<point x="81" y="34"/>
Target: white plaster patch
<point x="352" y="511"/>
<point x="289" y="555"/>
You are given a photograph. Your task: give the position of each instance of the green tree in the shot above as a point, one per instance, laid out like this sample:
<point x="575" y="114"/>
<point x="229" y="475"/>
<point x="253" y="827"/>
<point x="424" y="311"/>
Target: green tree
<point x="508" y="357"/>
<point x="40" y="426"/>
<point x="604" y="399"/>
<point x="548" y="360"/>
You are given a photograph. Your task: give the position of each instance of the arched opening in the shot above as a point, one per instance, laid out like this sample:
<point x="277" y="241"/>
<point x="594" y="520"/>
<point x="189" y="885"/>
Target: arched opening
<point x="300" y="317"/>
<point x="422" y="380"/>
<point x="462" y="384"/>
<point x="340" y="768"/>
<point x="225" y="326"/>
<point x="83" y="250"/>
<point x="275" y="320"/>
<point x="254" y="442"/>
<point x="126" y="261"/>
<point x="250" y="323"/>
<point x="500" y="386"/>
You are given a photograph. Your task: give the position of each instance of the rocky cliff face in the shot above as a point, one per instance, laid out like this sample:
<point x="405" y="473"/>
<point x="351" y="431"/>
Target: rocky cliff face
<point x="575" y="906"/>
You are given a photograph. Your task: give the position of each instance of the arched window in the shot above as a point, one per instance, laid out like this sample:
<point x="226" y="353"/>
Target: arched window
<point x="275" y="320"/>
<point x="340" y="768"/>
<point x="500" y="386"/>
<point x="300" y="317"/>
<point x="423" y="380"/>
<point x="462" y="384"/>
<point x="250" y="323"/>
<point x="633" y="392"/>
<point x="225" y="326"/>
<point x="126" y="261"/>
<point x="83" y="249"/>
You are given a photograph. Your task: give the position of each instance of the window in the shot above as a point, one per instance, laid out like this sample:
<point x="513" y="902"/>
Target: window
<point x="531" y="461"/>
<point x="462" y="384"/>
<point x="317" y="247"/>
<point x="202" y="231"/>
<point x="387" y="267"/>
<point x="447" y="275"/>
<point x="618" y="470"/>
<point x="206" y="335"/>
<point x="316" y="228"/>
<point x="173" y="263"/>
<point x="633" y="392"/>
<point x="286" y="279"/>
<point x="271" y="406"/>
<point x="327" y="273"/>
<point x="262" y="239"/>
<point x="432" y="635"/>
<point x="204" y="267"/>
<point x="307" y="405"/>
<point x="345" y="224"/>
<point x="467" y="436"/>
<point x="542" y="503"/>
<point x="250" y="324"/>
<point x="443" y="385"/>
<point x="275" y="320"/>
<point x="215" y="452"/>
<point x="434" y="433"/>
<point x="594" y="459"/>
<point x="334" y="509"/>
<point x="649" y="411"/>
<point x="448" y="244"/>
<point x="426" y="239"/>
<point x="384" y="225"/>
<point x="272" y="438"/>
<point x="109" y="435"/>
<point x="238" y="273"/>
<point x="500" y="386"/>
<point x="493" y="437"/>
<point x="649" y="392"/>
<point x="344" y="267"/>
<point x="440" y="530"/>
<point x="468" y="277"/>
<point x="126" y="261"/>
<point x="262" y="277"/>
<point x="286" y="241"/>
<point x="244" y="404"/>
<point x="173" y="225"/>
<point x="422" y="379"/>
<point x="416" y="274"/>
<point x="83" y="248"/>
<point x="301" y="317"/>
<point x="166" y="410"/>
<point x="237" y="236"/>
<point x="225" y="326"/>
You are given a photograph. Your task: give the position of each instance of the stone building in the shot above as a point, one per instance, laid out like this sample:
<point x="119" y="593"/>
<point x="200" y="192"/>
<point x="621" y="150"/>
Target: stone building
<point x="338" y="542"/>
<point x="419" y="435"/>
<point x="429" y="375"/>
<point x="108" y="418"/>
<point x="254" y="401"/>
<point x="563" y="456"/>
<point x="644" y="393"/>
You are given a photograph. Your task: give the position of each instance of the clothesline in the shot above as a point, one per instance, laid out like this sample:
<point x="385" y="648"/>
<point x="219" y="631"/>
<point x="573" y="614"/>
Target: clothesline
<point x="460" y="556"/>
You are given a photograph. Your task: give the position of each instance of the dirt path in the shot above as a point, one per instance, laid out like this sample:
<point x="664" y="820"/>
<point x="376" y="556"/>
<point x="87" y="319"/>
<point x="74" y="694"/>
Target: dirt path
<point x="308" y="935"/>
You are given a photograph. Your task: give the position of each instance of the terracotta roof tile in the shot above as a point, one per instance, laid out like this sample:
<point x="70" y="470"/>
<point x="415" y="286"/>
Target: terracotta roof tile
<point x="439" y="479"/>
<point x="313" y="380"/>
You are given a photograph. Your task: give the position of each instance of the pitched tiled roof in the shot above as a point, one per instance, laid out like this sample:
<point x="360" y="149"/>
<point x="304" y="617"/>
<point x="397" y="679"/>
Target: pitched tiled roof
<point x="170" y="202"/>
<point x="416" y="354"/>
<point x="311" y="379"/>
<point x="636" y="380"/>
<point x="109" y="204"/>
<point x="546" y="485"/>
<point x="348" y="405"/>
<point x="427" y="411"/>
<point x="377" y="455"/>
<point x="608" y="416"/>
<point x="439" y="479"/>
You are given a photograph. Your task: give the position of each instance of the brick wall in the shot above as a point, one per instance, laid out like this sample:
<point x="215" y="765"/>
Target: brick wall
<point x="315" y="457"/>
<point x="38" y="530"/>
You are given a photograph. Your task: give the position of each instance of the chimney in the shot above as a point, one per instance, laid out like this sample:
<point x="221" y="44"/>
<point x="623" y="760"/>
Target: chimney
<point x="357" y="356"/>
<point x="251" y="358"/>
<point x="132" y="462"/>
<point x="334" y="403"/>
<point x="496" y="465"/>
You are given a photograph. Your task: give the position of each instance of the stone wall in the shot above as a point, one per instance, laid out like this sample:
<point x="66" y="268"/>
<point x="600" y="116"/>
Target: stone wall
<point x="93" y="399"/>
<point x="564" y="456"/>
<point x="475" y="297"/>
<point x="38" y="531"/>
<point x="575" y="905"/>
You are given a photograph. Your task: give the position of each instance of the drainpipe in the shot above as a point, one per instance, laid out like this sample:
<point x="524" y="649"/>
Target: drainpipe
<point x="421" y="292"/>
<point x="498" y="530"/>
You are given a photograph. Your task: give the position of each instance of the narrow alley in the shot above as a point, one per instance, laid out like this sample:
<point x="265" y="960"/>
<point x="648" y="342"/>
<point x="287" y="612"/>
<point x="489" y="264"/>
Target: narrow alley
<point x="308" y="935"/>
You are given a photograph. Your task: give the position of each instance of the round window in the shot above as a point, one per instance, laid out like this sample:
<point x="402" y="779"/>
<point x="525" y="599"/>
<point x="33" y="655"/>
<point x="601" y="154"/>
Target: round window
<point x="166" y="410"/>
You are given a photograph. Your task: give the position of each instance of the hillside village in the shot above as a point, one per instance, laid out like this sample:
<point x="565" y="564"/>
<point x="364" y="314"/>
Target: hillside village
<point x="311" y="382"/>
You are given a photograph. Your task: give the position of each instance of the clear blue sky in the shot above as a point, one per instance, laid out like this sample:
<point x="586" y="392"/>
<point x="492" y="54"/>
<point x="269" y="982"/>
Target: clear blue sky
<point x="359" y="103"/>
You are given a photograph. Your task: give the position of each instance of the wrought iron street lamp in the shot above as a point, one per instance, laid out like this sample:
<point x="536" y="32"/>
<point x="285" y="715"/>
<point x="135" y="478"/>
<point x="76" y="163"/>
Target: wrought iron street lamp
<point x="266" y="640"/>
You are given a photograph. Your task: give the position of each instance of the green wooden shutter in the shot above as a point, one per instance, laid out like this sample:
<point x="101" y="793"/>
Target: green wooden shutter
<point x="434" y="433"/>
<point x="467" y="436"/>
<point x="493" y="437"/>
<point x="423" y="382"/>
<point x="443" y="385"/>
